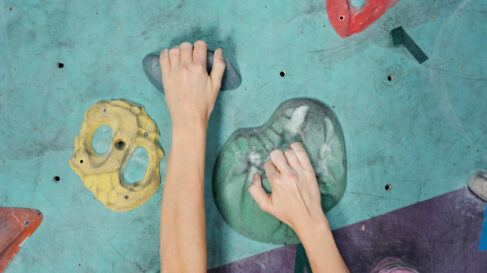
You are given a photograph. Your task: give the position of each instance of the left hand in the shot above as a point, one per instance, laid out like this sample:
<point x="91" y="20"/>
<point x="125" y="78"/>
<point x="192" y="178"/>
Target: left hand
<point x="190" y="92"/>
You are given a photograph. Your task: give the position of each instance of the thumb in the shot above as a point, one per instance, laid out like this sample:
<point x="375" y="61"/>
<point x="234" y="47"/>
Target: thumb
<point x="217" y="70"/>
<point x="261" y="197"/>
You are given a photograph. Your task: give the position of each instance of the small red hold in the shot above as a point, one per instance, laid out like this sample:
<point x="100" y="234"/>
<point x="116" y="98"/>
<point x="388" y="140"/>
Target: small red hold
<point x="347" y="19"/>
<point x="16" y="225"/>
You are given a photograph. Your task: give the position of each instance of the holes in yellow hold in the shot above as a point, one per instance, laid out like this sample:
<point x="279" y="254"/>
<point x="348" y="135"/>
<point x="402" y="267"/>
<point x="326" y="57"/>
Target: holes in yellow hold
<point x="102" y="139"/>
<point x="136" y="167"/>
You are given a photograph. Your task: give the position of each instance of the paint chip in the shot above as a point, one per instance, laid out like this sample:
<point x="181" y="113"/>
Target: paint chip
<point x="3" y="161"/>
<point x="1" y="94"/>
<point x="241" y="19"/>
<point x="468" y="146"/>
<point x="15" y="69"/>
<point x="265" y="6"/>
<point x="362" y="228"/>
<point x="118" y="26"/>
<point x="34" y="128"/>
<point x="460" y="67"/>
<point x="245" y="89"/>
<point x="333" y="107"/>
<point x="432" y="17"/>
<point x="111" y="51"/>
<point x="10" y="9"/>
<point x="477" y="150"/>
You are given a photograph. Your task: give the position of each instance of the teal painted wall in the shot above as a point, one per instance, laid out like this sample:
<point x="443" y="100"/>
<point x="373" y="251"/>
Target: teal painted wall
<point x="424" y="132"/>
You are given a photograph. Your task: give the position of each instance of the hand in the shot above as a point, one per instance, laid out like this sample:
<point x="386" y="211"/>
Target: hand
<point x="190" y="91"/>
<point x="295" y="197"/>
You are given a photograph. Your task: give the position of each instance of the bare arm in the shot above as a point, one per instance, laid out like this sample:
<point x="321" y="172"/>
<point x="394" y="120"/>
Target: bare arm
<point x="190" y="96"/>
<point x="296" y="201"/>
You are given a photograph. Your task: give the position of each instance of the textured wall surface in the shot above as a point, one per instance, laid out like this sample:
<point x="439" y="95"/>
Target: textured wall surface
<point x="424" y="132"/>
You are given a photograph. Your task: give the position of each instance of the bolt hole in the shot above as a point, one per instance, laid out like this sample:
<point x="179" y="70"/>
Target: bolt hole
<point x="26" y="223"/>
<point x="60" y="65"/>
<point x="126" y="197"/>
<point x="283" y="73"/>
<point x="120" y="144"/>
<point x="388" y="187"/>
<point x="341" y="17"/>
<point x="104" y="110"/>
<point x="81" y="161"/>
<point x="390" y="77"/>
<point x="146" y="134"/>
<point x="56" y="179"/>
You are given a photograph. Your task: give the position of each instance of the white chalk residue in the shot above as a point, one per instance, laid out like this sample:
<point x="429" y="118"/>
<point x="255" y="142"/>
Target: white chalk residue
<point x="254" y="158"/>
<point x="297" y="119"/>
<point x="255" y="161"/>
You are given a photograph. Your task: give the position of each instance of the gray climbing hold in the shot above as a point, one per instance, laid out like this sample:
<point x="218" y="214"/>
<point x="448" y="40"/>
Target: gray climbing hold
<point x="478" y="184"/>
<point x="152" y="68"/>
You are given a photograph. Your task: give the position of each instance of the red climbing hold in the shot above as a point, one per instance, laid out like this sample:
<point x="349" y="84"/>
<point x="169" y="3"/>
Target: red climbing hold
<point x="16" y="225"/>
<point x="347" y="19"/>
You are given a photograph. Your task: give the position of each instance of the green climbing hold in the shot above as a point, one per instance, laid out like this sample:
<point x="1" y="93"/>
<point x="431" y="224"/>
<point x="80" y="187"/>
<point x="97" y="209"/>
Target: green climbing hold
<point x="298" y="120"/>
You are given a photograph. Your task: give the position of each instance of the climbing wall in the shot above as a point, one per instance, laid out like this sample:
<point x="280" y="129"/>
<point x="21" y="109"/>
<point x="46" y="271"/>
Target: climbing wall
<point x="414" y="125"/>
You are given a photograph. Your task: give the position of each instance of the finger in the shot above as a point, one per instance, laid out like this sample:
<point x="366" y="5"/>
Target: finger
<point x="302" y="155"/>
<point x="217" y="70"/>
<point x="292" y="159"/>
<point x="270" y="170"/>
<point x="186" y="53"/>
<point x="199" y="53"/>
<point x="277" y="157"/>
<point x="259" y="195"/>
<point x="174" y="57"/>
<point x="164" y="62"/>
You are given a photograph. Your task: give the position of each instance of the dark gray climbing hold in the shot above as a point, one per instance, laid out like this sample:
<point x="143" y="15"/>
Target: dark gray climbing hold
<point x="400" y="37"/>
<point x="478" y="184"/>
<point x="152" y="68"/>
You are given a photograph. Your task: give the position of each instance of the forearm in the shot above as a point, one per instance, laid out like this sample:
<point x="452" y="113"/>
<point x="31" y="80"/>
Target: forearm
<point x="183" y="236"/>
<point x="320" y="247"/>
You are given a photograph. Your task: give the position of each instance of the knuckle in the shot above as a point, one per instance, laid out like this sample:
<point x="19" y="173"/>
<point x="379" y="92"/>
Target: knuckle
<point x="199" y="67"/>
<point x="220" y="64"/>
<point x="186" y="67"/>
<point x="289" y="175"/>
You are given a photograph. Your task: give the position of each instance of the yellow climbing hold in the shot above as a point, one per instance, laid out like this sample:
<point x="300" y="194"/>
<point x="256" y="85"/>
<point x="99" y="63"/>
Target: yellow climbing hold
<point x="102" y="173"/>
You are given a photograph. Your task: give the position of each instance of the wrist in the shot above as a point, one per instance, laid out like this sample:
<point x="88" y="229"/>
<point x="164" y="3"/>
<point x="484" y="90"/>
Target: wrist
<point x="313" y="225"/>
<point x="189" y="127"/>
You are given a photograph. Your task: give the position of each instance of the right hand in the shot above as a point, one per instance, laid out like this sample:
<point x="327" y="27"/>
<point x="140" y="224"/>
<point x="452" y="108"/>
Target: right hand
<point x="295" y="197"/>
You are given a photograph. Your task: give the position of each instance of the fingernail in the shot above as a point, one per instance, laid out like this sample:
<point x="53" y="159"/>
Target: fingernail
<point x="165" y="52"/>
